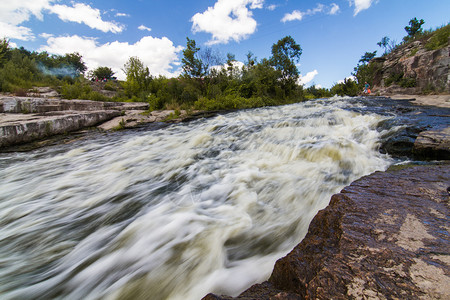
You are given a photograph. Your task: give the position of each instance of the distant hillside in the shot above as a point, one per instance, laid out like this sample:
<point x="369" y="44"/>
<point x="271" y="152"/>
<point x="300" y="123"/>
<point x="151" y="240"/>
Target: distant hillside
<point x="419" y="67"/>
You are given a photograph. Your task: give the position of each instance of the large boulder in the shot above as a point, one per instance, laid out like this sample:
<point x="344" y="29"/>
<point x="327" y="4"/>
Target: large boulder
<point x="433" y="144"/>
<point x="383" y="237"/>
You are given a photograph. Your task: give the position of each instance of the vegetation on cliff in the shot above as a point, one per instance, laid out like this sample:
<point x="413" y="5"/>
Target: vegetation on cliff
<point x="394" y="67"/>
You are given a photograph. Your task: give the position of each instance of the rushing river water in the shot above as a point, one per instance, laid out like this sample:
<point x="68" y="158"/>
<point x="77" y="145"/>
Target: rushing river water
<point x="180" y="211"/>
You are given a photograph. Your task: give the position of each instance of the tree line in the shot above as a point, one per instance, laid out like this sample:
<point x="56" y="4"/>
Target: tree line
<point x="208" y="81"/>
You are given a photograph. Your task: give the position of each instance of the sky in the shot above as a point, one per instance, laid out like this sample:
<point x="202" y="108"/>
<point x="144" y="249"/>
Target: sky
<point x="333" y="34"/>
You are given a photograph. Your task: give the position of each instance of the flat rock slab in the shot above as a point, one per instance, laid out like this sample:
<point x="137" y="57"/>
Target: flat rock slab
<point x="22" y="128"/>
<point x="386" y="236"/>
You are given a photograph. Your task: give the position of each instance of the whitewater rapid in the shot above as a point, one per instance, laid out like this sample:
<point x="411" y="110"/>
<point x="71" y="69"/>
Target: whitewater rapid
<point x="181" y="211"/>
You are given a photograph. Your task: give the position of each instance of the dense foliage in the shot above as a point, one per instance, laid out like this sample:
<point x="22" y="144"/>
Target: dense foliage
<point x="208" y="81"/>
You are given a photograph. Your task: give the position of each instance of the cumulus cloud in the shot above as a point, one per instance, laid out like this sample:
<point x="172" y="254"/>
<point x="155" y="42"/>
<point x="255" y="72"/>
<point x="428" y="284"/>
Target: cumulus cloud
<point x="297" y="15"/>
<point x="360" y="5"/>
<point x="83" y="13"/>
<point x="16" y="32"/>
<point x="159" y="54"/>
<point x="227" y="20"/>
<point x="122" y="15"/>
<point x="308" y="77"/>
<point x="143" y="27"/>
<point x="14" y="13"/>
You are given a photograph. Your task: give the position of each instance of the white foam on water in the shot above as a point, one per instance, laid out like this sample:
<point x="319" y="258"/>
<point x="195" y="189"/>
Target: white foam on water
<point x="179" y="212"/>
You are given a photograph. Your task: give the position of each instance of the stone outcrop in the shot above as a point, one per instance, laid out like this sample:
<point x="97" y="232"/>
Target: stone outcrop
<point x="32" y="127"/>
<point x="374" y="241"/>
<point x="41" y="105"/>
<point x="25" y="119"/>
<point x="412" y="69"/>
<point x="433" y="144"/>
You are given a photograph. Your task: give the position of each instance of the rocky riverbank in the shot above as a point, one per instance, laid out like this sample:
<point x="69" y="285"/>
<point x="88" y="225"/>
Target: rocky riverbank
<point x="28" y="119"/>
<point x="383" y="237"/>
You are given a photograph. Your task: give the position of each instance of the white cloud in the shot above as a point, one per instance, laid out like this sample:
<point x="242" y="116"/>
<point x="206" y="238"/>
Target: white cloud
<point x="272" y="7"/>
<point x="227" y="20"/>
<point x="334" y="9"/>
<point x="83" y="13"/>
<point x="14" y="13"/>
<point x="295" y="15"/>
<point x="352" y="78"/>
<point x="360" y="5"/>
<point x="159" y="54"/>
<point x="308" y="77"/>
<point x="143" y="27"/>
<point x="122" y="15"/>
<point x="15" y="32"/>
<point x="46" y="35"/>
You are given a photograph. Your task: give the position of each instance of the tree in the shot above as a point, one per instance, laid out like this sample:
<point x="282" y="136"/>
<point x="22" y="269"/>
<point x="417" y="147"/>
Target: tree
<point x="4" y="49"/>
<point x="367" y="57"/>
<point x="192" y="65"/>
<point x="415" y="27"/>
<point x="365" y="71"/>
<point x="138" y="77"/>
<point x="103" y="72"/>
<point x="285" y="54"/>
<point x="384" y="43"/>
<point x="74" y="60"/>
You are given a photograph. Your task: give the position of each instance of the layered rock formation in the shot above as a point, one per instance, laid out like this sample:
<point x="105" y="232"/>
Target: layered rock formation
<point x="24" y="119"/>
<point x="374" y="241"/>
<point x="412" y="69"/>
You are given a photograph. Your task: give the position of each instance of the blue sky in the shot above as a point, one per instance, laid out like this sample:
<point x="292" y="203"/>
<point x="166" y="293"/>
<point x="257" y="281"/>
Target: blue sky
<point x="333" y="34"/>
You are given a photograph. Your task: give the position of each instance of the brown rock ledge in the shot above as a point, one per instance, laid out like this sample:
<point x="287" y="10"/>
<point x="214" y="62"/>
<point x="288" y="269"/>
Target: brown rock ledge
<point x="386" y="236"/>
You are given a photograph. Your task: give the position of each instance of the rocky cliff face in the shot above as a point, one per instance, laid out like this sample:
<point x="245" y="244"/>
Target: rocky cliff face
<point x="412" y="69"/>
<point x="374" y="241"/>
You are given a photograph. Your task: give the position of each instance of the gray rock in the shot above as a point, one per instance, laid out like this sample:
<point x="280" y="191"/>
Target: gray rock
<point x="383" y="237"/>
<point x="433" y="144"/>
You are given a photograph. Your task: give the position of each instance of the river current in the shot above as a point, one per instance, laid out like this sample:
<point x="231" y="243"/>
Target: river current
<point x="180" y="211"/>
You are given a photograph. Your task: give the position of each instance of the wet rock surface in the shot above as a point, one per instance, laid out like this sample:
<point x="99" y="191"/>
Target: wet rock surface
<point x="374" y="241"/>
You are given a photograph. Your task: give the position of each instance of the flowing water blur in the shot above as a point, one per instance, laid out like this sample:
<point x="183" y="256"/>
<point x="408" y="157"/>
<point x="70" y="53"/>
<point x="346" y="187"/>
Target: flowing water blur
<point x="180" y="211"/>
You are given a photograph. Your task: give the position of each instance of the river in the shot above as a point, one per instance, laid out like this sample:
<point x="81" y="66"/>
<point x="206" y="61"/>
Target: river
<point x="180" y="211"/>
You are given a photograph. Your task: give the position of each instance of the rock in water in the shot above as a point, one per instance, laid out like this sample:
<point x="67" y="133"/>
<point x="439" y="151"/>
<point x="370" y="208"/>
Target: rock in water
<point x="383" y="237"/>
<point x="433" y="144"/>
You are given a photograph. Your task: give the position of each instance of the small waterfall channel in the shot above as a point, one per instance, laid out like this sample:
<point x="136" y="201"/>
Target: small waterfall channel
<point x="177" y="212"/>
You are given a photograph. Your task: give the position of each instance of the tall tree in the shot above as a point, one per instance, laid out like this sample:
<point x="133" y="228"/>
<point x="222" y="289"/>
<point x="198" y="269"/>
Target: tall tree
<point x="138" y="77"/>
<point x="285" y="54"/>
<point x="4" y="48"/>
<point x="192" y="65"/>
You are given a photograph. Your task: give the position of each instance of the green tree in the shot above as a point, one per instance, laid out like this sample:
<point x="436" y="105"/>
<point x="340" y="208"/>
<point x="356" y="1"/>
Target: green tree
<point x="415" y="27"/>
<point x="4" y="49"/>
<point x="367" y="57"/>
<point x="384" y="43"/>
<point x="138" y="77"/>
<point x="192" y="65"/>
<point x="365" y="71"/>
<point x="285" y="54"/>
<point x="103" y="72"/>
